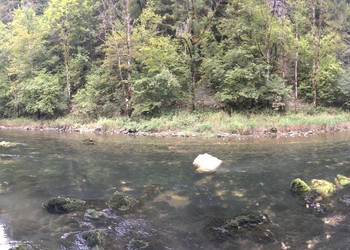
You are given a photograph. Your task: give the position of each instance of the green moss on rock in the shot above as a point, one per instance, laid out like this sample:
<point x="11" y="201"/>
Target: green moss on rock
<point x="62" y="205"/>
<point x="7" y="144"/>
<point x="122" y="201"/>
<point x="94" y="238"/>
<point x="323" y="188"/>
<point x="343" y="180"/>
<point x="300" y="188"/>
<point x="89" y="141"/>
<point x="138" y="244"/>
<point x="93" y="214"/>
<point x="244" y="220"/>
<point x="22" y="246"/>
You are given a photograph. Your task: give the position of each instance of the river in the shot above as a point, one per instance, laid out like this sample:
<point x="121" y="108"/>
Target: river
<point x="255" y="176"/>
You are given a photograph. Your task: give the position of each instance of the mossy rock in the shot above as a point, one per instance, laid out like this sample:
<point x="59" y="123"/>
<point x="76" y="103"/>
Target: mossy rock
<point x="238" y="223"/>
<point x="300" y="188"/>
<point x="93" y="214"/>
<point x="343" y="180"/>
<point x="324" y="188"/>
<point x="63" y="205"/>
<point x="244" y="220"/>
<point x="137" y="244"/>
<point x="7" y="144"/>
<point x="122" y="201"/>
<point x="89" y="141"/>
<point x="94" y="238"/>
<point x="23" y="246"/>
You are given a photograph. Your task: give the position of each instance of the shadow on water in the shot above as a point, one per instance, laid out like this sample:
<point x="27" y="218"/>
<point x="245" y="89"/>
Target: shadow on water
<point x="178" y="209"/>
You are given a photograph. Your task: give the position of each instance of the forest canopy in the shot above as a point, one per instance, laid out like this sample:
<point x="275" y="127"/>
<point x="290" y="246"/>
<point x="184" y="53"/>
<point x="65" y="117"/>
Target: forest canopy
<point x="112" y="58"/>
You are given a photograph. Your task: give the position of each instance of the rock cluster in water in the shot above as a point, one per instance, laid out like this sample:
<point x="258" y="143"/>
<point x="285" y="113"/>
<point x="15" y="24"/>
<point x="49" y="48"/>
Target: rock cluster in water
<point x="320" y="195"/>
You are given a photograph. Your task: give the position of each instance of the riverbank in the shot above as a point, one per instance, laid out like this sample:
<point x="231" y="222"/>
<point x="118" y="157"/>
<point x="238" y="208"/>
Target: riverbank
<point x="184" y="124"/>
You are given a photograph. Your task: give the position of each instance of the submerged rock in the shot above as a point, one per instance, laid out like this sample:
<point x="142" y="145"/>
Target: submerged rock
<point x="94" y="238"/>
<point x="93" y="214"/>
<point x="62" y="205"/>
<point x="150" y="192"/>
<point x="239" y="222"/>
<point x="122" y="201"/>
<point x="324" y="188"/>
<point x="137" y="244"/>
<point x="300" y="188"/>
<point x="205" y="163"/>
<point x="89" y="141"/>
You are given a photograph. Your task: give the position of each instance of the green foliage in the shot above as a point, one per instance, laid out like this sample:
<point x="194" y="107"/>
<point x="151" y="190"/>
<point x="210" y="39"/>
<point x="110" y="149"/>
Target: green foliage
<point x="154" y="93"/>
<point x="43" y="96"/>
<point x="98" y="97"/>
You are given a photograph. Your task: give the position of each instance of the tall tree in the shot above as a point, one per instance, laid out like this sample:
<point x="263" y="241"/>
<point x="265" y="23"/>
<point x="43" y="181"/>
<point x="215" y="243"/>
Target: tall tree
<point x="70" y="24"/>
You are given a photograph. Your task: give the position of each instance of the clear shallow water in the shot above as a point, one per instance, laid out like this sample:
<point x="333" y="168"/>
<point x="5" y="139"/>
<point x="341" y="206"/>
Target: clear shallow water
<point x="255" y="176"/>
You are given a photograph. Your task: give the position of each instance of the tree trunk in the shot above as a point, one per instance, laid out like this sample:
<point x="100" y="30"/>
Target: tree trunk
<point x="66" y="55"/>
<point x="317" y="48"/>
<point x="127" y="83"/>
<point x="296" y="67"/>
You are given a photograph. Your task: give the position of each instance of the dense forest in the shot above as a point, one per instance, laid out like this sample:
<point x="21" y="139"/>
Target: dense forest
<point x="129" y="58"/>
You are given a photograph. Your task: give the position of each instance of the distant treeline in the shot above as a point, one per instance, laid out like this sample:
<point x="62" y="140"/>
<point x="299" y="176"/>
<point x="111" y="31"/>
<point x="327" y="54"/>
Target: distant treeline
<point x="140" y="57"/>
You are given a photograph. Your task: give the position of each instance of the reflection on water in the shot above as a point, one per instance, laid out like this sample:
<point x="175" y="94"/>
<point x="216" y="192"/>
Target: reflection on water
<point x="179" y="203"/>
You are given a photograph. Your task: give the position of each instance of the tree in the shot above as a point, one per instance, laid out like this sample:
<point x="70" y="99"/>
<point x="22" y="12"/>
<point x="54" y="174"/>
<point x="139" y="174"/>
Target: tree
<point x="71" y="24"/>
<point x="192" y="32"/>
<point x="26" y="51"/>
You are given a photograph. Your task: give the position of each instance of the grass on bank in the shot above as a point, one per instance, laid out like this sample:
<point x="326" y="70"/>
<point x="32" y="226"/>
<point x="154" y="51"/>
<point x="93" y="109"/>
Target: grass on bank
<point x="201" y="122"/>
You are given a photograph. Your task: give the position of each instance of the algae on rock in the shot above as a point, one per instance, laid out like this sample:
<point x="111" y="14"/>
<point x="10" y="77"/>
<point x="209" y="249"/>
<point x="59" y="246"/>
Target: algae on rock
<point x="324" y="188"/>
<point x="343" y="180"/>
<point x="122" y="201"/>
<point x="300" y="188"/>
<point x="94" y="238"/>
<point x="62" y="204"/>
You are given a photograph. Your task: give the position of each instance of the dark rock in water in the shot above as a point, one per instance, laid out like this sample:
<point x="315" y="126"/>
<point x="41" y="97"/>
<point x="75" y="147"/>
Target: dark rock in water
<point x="150" y="192"/>
<point x="137" y="244"/>
<point x="122" y="201"/>
<point x="94" y="238"/>
<point x="300" y="188"/>
<point x="313" y="201"/>
<point x="248" y="225"/>
<point x="89" y="141"/>
<point x="345" y="199"/>
<point x="62" y="205"/>
<point x="238" y="223"/>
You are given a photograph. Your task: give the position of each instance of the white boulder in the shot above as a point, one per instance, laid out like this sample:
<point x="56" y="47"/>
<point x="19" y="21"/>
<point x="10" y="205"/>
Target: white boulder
<point x="205" y="163"/>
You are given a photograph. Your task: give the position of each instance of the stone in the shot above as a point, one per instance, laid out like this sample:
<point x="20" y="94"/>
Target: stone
<point x="243" y="223"/>
<point x="94" y="238"/>
<point x="23" y="246"/>
<point x="324" y="188"/>
<point x="300" y="188"/>
<point x="205" y="163"/>
<point x="343" y="180"/>
<point x="62" y="205"/>
<point x="7" y="144"/>
<point x="122" y="201"/>
<point x="89" y="141"/>
<point x="137" y="244"/>
<point x="92" y="214"/>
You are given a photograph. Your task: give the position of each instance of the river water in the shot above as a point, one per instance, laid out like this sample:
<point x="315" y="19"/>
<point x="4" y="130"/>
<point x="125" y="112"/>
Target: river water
<point x="255" y="176"/>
